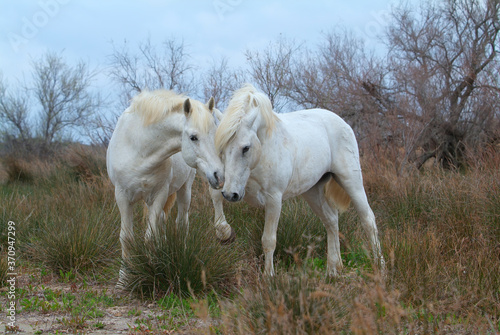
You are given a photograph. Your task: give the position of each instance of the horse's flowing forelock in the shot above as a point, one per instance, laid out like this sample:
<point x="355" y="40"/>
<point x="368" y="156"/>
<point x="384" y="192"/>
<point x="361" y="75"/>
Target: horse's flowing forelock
<point x="238" y="109"/>
<point x="154" y="106"/>
<point x="200" y="117"/>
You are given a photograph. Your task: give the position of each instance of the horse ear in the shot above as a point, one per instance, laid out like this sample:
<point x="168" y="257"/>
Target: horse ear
<point x="211" y="104"/>
<point x="252" y="102"/>
<point x="218" y="114"/>
<point x="187" y="107"/>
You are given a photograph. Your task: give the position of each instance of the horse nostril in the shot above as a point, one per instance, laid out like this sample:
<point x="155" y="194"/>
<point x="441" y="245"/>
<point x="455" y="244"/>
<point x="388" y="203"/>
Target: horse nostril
<point x="219" y="180"/>
<point x="231" y="196"/>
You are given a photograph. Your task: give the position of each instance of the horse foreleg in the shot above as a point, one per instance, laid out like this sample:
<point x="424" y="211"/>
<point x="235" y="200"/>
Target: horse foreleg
<point x="126" y="230"/>
<point x="272" y="216"/>
<point x="223" y="230"/>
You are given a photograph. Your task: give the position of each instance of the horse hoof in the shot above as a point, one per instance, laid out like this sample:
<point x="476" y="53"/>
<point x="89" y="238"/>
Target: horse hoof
<point x="230" y="239"/>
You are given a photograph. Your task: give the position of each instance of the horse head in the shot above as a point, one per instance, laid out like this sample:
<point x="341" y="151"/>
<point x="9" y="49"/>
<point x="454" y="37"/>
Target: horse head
<point x="248" y="120"/>
<point x="198" y="134"/>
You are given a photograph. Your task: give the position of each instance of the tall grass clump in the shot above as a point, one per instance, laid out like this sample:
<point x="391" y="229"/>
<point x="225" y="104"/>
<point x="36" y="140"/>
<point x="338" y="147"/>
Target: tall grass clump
<point x="288" y="303"/>
<point x="77" y="240"/>
<point x="75" y="224"/>
<point x="18" y="205"/>
<point x="85" y="163"/>
<point x="72" y="163"/>
<point x="181" y="260"/>
<point x="442" y="229"/>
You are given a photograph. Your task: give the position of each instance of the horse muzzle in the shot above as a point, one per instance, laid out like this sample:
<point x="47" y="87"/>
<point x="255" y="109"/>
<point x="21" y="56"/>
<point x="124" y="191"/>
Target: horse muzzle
<point x="216" y="181"/>
<point x="232" y="196"/>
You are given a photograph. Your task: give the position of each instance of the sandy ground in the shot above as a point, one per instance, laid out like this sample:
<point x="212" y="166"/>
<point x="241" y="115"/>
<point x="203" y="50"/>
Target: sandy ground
<point x="117" y="319"/>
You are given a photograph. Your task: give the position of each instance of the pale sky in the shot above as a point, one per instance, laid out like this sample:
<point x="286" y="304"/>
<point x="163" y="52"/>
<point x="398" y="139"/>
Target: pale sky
<point x="210" y="28"/>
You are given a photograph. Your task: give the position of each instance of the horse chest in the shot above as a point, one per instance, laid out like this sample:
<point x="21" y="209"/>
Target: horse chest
<point x="254" y="195"/>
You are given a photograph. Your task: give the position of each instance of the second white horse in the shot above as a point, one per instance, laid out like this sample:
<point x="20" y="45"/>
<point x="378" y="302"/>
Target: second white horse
<point x="269" y="158"/>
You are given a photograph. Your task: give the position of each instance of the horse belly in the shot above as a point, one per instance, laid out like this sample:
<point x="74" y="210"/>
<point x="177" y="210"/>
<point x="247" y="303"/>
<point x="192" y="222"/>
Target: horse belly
<point x="312" y="161"/>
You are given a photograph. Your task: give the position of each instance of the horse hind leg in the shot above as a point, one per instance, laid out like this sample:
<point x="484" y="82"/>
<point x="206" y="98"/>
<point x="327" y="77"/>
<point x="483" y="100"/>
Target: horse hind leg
<point x="353" y="185"/>
<point x="155" y="213"/>
<point x="316" y="199"/>
<point x="169" y="204"/>
<point x="166" y="208"/>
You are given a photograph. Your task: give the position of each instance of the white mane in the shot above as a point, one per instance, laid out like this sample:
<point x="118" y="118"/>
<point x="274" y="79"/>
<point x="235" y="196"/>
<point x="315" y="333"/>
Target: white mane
<point x="154" y="106"/>
<point x="238" y="108"/>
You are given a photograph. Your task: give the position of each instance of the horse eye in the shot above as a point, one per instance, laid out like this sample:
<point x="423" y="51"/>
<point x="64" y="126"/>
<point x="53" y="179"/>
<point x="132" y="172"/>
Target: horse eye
<point x="193" y="138"/>
<point x="245" y="149"/>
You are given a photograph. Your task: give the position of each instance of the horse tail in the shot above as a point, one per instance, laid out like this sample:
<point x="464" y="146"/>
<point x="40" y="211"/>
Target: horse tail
<point x="336" y="196"/>
<point x="169" y="204"/>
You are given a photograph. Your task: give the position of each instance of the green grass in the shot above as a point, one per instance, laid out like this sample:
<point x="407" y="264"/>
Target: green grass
<point x="77" y="309"/>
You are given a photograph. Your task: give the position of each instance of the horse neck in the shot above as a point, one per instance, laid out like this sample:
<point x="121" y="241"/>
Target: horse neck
<point x="165" y="137"/>
<point x="262" y="130"/>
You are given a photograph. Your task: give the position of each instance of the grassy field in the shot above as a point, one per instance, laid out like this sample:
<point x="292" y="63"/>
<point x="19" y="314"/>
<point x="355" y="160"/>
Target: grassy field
<point x="440" y="233"/>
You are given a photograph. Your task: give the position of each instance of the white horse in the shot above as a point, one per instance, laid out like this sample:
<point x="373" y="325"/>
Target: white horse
<point x="269" y="158"/>
<point x="145" y="161"/>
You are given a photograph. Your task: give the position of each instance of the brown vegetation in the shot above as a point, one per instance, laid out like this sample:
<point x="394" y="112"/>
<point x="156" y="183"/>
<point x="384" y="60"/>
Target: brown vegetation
<point x="439" y="231"/>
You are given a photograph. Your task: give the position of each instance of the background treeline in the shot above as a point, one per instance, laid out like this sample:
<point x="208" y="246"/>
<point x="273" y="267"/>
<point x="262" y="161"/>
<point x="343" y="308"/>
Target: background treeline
<point x="432" y="93"/>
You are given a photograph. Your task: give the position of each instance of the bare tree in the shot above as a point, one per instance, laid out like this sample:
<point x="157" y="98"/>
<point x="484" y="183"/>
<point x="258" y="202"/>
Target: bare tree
<point x="323" y="78"/>
<point x="152" y="67"/>
<point x="441" y="57"/>
<point x="271" y="69"/>
<point x="64" y="95"/>
<point x="333" y="77"/>
<point x="14" y="113"/>
<point x="100" y="128"/>
<point x="219" y="82"/>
